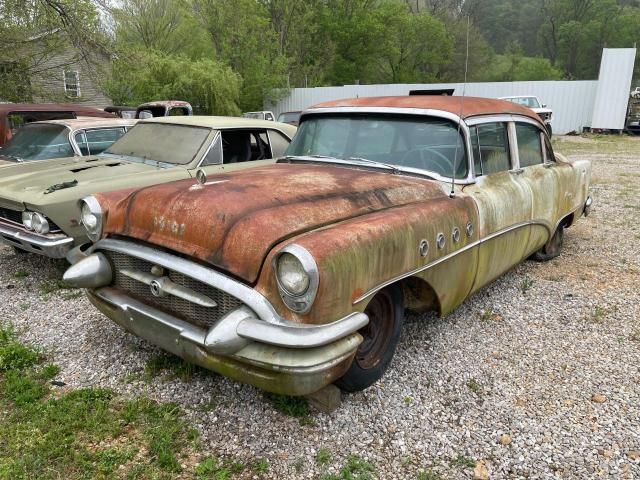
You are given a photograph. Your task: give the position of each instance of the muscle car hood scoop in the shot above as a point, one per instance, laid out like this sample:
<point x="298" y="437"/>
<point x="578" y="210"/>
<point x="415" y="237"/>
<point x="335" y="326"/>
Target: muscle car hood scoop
<point x="235" y="219"/>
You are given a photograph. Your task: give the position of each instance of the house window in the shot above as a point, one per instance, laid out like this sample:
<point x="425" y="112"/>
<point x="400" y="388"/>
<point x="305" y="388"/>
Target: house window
<point x="72" y="83"/>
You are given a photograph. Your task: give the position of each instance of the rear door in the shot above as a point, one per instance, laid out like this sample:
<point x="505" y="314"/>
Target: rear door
<point x="504" y="202"/>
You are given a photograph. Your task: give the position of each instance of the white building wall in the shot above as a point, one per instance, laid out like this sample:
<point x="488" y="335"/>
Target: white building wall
<point x="572" y="101"/>
<point x="614" y="83"/>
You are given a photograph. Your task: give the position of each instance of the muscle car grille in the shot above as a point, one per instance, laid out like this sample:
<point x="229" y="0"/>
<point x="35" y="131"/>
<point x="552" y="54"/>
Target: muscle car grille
<point x="11" y="215"/>
<point x="16" y="217"/>
<point x="185" y="310"/>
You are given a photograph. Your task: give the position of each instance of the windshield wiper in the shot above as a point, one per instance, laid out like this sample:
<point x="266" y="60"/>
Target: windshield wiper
<point x="393" y="168"/>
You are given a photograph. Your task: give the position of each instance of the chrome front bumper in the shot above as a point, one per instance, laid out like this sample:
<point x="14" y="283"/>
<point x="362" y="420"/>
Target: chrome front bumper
<point x="251" y="343"/>
<point x="55" y="245"/>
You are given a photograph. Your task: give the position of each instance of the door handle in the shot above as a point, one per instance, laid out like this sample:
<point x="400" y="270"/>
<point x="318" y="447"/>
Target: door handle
<point x="516" y="171"/>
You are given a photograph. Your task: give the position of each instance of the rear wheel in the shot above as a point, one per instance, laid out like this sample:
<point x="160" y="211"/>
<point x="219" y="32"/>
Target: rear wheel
<point x="381" y="335"/>
<point x="552" y="248"/>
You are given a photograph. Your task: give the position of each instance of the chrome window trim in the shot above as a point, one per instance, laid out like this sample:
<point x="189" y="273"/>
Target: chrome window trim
<point x="213" y="142"/>
<point x="438" y="261"/>
<point x="250" y="297"/>
<point x="464" y="129"/>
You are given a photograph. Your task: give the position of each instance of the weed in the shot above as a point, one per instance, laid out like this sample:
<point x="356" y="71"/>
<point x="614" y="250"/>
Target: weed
<point x="408" y="400"/>
<point x="290" y="406"/>
<point x="51" y="286"/>
<point x="21" y="274"/>
<point x="428" y="475"/>
<point x="463" y="461"/>
<point x="261" y="467"/>
<point x="24" y="306"/>
<point x="212" y="468"/>
<point x="356" y="468"/>
<point x="599" y="314"/>
<point x="177" y="367"/>
<point x="475" y="386"/>
<point x="323" y="457"/>
<point x="526" y="285"/>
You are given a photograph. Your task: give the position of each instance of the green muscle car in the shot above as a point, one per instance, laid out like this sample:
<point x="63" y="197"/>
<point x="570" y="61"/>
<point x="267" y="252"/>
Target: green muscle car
<point x="296" y="275"/>
<point x="39" y="209"/>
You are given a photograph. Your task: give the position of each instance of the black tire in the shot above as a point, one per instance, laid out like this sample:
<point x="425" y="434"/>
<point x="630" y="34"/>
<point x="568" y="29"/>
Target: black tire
<point x="552" y="248"/>
<point x="381" y="335"/>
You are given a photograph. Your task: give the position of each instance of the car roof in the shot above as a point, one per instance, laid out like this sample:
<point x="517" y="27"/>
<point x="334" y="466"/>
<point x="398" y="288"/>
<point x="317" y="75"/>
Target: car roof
<point x="465" y="107"/>
<point x="218" y="123"/>
<point x="518" y="96"/>
<point x="90" y="122"/>
<point x="7" y="108"/>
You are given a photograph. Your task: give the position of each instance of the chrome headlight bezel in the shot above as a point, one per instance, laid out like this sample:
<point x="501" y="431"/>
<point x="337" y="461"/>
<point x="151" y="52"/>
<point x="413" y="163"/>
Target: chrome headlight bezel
<point x="89" y="206"/>
<point x="40" y="224"/>
<point x="27" y="219"/>
<point x="298" y="302"/>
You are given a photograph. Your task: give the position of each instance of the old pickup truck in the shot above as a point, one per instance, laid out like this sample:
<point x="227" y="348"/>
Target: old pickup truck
<point x="296" y="275"/>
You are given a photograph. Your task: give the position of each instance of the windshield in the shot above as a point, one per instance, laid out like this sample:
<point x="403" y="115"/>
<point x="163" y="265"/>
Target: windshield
<point x="425" y="143"/>
<point x="161" y="142"/>
<point x="531" y="102"/>
<point x="289" y="117"/>
<point x="39" y="142"/>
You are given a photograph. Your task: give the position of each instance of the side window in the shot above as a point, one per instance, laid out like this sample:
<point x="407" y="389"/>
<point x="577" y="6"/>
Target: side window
<point x="268" y="116"/>
<point x="490" y="144"/>
<point x="214" y="155"/>
<point x="279" y="143"/>
<point x="97" y="141"/>
<point x="529" y="145"/>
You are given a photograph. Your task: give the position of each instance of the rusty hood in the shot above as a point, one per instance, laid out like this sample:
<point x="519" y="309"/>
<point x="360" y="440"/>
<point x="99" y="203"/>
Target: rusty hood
<point x="234" y="219"/>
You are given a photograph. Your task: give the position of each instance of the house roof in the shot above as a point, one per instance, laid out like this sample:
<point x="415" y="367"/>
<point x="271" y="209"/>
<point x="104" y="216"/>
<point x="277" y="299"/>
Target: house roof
<point x="464" y="107"/>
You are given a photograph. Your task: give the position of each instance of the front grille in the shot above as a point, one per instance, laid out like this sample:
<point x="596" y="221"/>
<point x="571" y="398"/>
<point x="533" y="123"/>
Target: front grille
<point x="16" y="217"/>
<point x="11" y="215"/>
<point x="192" y="313"/>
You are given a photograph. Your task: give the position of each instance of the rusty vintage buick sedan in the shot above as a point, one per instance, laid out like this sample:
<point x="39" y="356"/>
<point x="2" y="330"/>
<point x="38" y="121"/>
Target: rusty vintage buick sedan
<point x="296" y="275"/>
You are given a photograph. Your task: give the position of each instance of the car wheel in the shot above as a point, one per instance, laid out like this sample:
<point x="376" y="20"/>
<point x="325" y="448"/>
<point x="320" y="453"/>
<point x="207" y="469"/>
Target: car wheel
<point x="381" y="335"/>
<point x="552" y="247"/>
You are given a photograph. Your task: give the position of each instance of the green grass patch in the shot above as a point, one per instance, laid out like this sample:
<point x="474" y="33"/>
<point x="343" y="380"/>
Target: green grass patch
<point x="54" y="285"/>
<point x="463" y="462"/>
<point x="290" y="406"/>
<point x="356" y="468"/>
<point x="21" y="274"/>
<point x="323" y="457"/>
<point x="85" y="433"/>
<point x="171" y="366"/>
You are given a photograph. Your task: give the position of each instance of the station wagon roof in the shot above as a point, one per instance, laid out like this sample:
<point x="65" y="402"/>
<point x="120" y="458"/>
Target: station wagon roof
<point x="221" y="122"/>
<point x="471" y="107"/>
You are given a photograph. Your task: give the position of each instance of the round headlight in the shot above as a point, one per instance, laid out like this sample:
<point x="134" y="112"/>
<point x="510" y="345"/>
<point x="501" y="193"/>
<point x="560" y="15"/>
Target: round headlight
<point x="91" y="217"/>
<point x="27" y="220"/>
<point x="39" y="223"/>
<point x="292" y="275"/>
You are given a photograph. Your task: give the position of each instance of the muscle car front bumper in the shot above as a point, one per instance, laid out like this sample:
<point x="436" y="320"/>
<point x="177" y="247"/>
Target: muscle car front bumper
<point x="53" y="245"/>
<point x="250" y="343"/>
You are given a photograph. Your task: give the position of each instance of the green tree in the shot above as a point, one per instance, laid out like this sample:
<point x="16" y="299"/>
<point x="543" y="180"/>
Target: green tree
<point x="210" y="86"/>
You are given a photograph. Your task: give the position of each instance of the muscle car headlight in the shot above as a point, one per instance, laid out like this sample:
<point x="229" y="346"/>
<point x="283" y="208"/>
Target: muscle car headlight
<point x="27" y="220"/>
<point x="39" y="223"/>
<point x="91" y="217"/>
<point x="297" y="277"/>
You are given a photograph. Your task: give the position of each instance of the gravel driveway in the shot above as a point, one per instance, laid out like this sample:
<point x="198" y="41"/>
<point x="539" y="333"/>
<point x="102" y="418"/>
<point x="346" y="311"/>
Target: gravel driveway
<point x="536" y="376"/>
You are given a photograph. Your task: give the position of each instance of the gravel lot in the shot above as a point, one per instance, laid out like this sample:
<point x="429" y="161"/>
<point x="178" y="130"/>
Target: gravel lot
<point x="536" y="376"/>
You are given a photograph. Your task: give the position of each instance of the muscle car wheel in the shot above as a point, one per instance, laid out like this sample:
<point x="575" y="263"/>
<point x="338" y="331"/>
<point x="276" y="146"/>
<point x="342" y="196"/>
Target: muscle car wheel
<point x="381" y="335"/>
<point x="552" y="247"/>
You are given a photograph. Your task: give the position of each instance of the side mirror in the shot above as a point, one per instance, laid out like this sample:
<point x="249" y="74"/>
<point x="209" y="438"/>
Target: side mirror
<point x="544" y="105"/>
